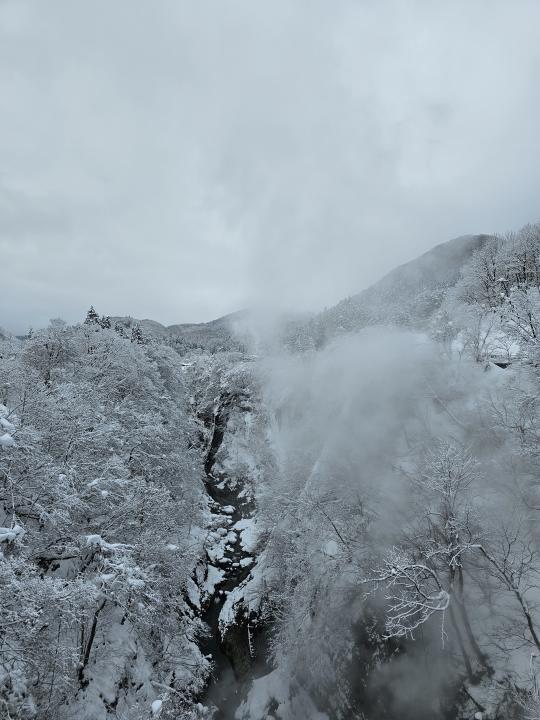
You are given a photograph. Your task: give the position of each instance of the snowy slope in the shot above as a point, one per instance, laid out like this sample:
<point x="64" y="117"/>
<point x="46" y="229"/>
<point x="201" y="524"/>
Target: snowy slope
<point x="408" y="294"/>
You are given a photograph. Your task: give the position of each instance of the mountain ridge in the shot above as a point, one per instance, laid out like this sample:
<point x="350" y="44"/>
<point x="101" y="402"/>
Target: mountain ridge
<point x="408" y="294"/>
<point x="410" y="288"/>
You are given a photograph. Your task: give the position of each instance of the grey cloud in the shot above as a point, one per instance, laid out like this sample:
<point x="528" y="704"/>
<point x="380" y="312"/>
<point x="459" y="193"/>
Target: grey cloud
<point x="181" y="160"/>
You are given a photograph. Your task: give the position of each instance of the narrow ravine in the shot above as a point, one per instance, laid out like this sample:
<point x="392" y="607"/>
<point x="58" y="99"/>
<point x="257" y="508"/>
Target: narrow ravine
<point x="236" y="655"/>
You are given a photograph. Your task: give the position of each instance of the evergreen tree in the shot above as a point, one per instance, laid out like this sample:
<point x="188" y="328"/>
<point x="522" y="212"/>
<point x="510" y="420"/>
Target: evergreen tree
<point x="120" y="330"/>
<point x="92" y="318"/>
<point x="137" y="336"/>
<point x="105" y="321"/>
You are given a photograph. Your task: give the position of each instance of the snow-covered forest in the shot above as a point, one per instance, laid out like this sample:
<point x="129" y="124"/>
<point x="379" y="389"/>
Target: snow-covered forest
<point x="334" y="520"/>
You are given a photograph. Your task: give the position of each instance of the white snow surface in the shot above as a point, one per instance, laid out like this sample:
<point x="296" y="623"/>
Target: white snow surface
<point x="231" y="608"/>
<point x="6" y="440"/>
<point x="4" y="423"/>
<point x="218" y="538"/>
<point x="214" y="576"/>
<point x="193" y="593"/>
<point x="275" y="688"/>
<point x="248" y="534"/>
<point x="11" y="534"/>
<point x="98" y="540"/>
<point x="331" y="548"/>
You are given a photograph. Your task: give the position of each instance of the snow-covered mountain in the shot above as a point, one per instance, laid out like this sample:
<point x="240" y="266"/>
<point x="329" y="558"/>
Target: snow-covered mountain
<point x="409" y="293"/>
<point x="405" y="297"/>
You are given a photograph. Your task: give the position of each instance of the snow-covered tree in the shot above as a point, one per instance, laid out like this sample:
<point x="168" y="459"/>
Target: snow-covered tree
<point x="92" y="317"/>
<point x="101" y="497"/>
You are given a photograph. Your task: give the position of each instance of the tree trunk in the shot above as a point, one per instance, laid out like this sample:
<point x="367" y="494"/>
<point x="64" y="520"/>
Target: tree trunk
<point x="92" y="636"/>
<point x="459" y="637"/>
<point x="467" y="623"/>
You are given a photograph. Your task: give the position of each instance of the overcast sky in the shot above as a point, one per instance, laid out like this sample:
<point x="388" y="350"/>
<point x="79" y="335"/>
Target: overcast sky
<point x="180" y="160"/>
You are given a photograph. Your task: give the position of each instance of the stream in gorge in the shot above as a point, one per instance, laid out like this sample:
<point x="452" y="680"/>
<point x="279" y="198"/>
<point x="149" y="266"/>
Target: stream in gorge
<point x="238" y="655"/>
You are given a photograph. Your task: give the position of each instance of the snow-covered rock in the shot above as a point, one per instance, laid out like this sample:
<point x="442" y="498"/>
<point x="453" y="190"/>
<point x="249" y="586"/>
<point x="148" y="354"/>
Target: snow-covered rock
<point x="97" y="540"/>
<point x="193" y="593"/>
<point x="157" y="706"/>
<point x="11" y="534"/>
<point x="8" y="426"/>
<point x="7" y="441"/>
<point x="214" y="576"/>
<point x="248" y="534"/>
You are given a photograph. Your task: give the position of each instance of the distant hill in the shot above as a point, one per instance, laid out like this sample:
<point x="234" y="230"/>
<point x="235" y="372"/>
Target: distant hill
<point x="213" y="336"/>
<point x="406" y="296"/>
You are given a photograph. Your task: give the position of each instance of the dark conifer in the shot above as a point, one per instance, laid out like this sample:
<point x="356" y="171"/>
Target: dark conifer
<point x="92" y="318"/>
<point x="136" y="335"/>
